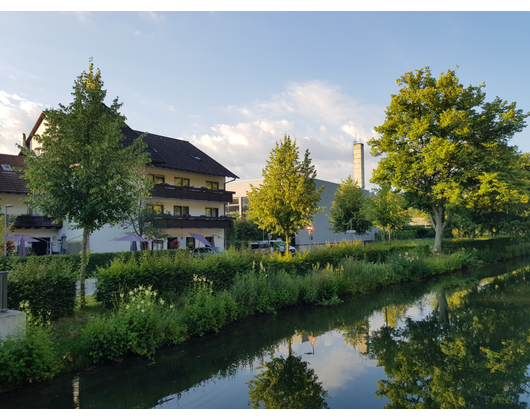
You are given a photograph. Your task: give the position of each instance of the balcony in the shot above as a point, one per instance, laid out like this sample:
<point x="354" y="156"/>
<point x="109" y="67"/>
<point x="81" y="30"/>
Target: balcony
<point x="26" y="221"/>
<point x="191" y="193"/>
<point x="195" y="222"/>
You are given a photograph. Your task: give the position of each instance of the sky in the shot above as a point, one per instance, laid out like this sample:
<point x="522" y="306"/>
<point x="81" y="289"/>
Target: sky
<point x="233" y="83"/>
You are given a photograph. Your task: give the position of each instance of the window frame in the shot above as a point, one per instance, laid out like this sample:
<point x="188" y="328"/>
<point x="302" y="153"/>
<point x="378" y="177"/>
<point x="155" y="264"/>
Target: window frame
<point x="182" y="213"/>
<point x="182" y="181"/>
<point x="212" y="185"/>
<point x="211" y="210"/>
<point x="155" y="178"/>
<point x="153" y="207"/>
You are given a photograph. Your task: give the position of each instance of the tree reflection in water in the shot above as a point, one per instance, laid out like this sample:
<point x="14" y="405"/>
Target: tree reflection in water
<point x="471" y="352"/>
<point x="286" y="383"/>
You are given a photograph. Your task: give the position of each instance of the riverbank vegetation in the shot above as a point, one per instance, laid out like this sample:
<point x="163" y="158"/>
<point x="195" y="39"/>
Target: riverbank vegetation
<point x="146" y="300"/>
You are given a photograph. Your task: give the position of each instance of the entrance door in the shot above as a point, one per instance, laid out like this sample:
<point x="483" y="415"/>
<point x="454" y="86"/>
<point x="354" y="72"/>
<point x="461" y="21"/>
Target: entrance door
<point x="41" y="247"/>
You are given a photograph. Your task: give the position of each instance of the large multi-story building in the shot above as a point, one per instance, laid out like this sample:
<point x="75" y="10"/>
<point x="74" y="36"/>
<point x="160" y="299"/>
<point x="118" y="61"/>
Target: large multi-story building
<point x="189" y="194"/>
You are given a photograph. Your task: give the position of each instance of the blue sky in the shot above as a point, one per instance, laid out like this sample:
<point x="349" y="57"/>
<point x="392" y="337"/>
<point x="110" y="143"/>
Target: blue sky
<point x="233" y="83"/>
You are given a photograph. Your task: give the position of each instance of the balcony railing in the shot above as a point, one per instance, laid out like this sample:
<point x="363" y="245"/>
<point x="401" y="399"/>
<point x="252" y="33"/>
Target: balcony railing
<point x="26" y="221"/>
<point x="191" y="193"/>
<point x="195" y="222"/>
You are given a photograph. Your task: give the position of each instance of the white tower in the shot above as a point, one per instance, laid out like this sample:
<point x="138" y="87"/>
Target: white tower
<point x="358" y="164"/>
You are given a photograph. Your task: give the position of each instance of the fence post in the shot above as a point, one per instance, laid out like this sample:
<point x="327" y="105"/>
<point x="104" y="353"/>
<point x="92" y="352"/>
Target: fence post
<point x="3" y="291"/>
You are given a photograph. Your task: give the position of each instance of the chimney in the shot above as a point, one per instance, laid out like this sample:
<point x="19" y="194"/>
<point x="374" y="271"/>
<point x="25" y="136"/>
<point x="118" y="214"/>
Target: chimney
<point x="358" y="164"/>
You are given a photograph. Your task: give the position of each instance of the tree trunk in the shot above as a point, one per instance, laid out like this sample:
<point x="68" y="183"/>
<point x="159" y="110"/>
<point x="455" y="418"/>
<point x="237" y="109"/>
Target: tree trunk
<point x="83" y="269"/>
<point x="437" y="216"/>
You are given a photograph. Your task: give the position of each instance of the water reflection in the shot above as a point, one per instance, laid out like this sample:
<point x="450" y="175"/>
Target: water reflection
<point x="470" y="352"/>
<point x="286" y="383"/>
<point x="449" y="343"/>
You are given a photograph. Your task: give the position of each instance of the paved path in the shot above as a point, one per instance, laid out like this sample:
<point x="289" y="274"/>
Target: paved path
<point x="90" y="287"/>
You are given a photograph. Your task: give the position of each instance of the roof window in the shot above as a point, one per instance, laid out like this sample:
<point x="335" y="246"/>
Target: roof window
<point x="195" y="157"/>
<point x="7" y="168"/>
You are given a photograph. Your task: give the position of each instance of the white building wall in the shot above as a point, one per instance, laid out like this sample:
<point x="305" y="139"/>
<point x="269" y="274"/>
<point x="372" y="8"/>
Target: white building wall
<point x="321" y="234"/>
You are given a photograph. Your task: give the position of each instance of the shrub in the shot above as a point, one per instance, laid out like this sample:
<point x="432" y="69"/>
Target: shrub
<point x="48" y="288"/>
<point x="105" y="338"/>
<point x="141" y="323"/>
<point x="27" y="357"/>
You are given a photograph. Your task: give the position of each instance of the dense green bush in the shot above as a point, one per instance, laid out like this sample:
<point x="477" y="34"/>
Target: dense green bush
<point x="46" y="288"/>
<point x="27" y="357"/>
<point x="172" y="274"/>
<point x="141" y="323"/>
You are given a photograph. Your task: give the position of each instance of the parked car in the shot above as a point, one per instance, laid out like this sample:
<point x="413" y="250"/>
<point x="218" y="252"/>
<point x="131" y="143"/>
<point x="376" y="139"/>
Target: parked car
<point x="276" y="245"/>
<point x="206" y="251"/>
<point x="259" y="247"/>
<point x="279" y="245"/>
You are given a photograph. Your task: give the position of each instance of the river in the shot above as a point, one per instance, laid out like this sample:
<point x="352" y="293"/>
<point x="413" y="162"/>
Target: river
<point x="457" y="341"/>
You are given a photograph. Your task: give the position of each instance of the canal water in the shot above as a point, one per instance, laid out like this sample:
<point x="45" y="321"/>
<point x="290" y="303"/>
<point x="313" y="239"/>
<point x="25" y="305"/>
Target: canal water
<point x="458" y="341"/>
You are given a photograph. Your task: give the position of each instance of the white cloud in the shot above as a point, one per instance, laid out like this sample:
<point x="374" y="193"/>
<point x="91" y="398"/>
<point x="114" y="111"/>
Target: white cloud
<point x="137" y="33"/>
<point x="152" y="16"/>
<point x="320" y="116"/>
<point x="17" y="116"/>
<point x="83" y="17"/>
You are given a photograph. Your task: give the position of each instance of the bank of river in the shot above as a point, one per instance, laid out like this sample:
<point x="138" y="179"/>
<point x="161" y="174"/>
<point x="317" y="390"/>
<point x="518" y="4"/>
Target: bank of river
<point x="430" y="343"/>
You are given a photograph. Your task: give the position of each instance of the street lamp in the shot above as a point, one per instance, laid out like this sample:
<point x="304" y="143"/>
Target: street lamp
<point x="5" y="233"/>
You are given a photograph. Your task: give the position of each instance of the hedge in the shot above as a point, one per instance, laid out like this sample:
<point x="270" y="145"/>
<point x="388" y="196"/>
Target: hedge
<point x="478" y="244"/>
<point x="172" y="274"/>
<point x="47" y="288"/>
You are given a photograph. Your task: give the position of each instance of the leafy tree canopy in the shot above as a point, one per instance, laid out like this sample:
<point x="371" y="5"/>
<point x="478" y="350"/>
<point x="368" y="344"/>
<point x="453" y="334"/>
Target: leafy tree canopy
<point x="388" y="210"/>
<point x="80" y="172"/>
<point x="445" y="146"/>
<point x="288" y="198"/>
<point x="348" y="210"/>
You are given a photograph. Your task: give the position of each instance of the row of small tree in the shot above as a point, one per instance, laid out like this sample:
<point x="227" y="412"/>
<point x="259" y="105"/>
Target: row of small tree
<point x="443" y="150"/>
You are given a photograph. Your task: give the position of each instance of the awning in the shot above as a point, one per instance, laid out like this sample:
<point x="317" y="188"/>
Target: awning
<point x="200" y="238"/>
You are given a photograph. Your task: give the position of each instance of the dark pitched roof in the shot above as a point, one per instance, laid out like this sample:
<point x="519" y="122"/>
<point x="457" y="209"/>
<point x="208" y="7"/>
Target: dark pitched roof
<point x="165" y="152"/>
<point x="10" y="182"/>
<point x="182" y="155"/>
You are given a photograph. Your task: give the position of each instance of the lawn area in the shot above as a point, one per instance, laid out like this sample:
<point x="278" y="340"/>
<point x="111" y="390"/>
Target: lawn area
<point x="67" y="330"/>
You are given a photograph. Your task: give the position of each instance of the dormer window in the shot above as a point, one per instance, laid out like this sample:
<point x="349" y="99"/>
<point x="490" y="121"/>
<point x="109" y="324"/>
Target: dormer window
<point x="7" y="168"/>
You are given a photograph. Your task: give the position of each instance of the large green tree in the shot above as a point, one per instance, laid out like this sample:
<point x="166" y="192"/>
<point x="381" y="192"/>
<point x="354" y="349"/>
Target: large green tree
<point x="348" y="210"/>
<point x="445" y="147"/>
<point x="288" y="198"/>
<point x="388" y="210"/>
<point x="80" y="172"/>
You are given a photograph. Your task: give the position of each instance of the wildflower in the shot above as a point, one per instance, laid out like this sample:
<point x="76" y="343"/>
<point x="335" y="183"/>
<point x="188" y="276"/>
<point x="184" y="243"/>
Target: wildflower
<point x="131" y="292"/>
<point x="138" y="307"/>
<point x="122" y="295"/>
<point x="171" y="306"/>
<point x="143" y="310"/>
<point x="126" y="306"/>
<point x="161" y="301"/>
